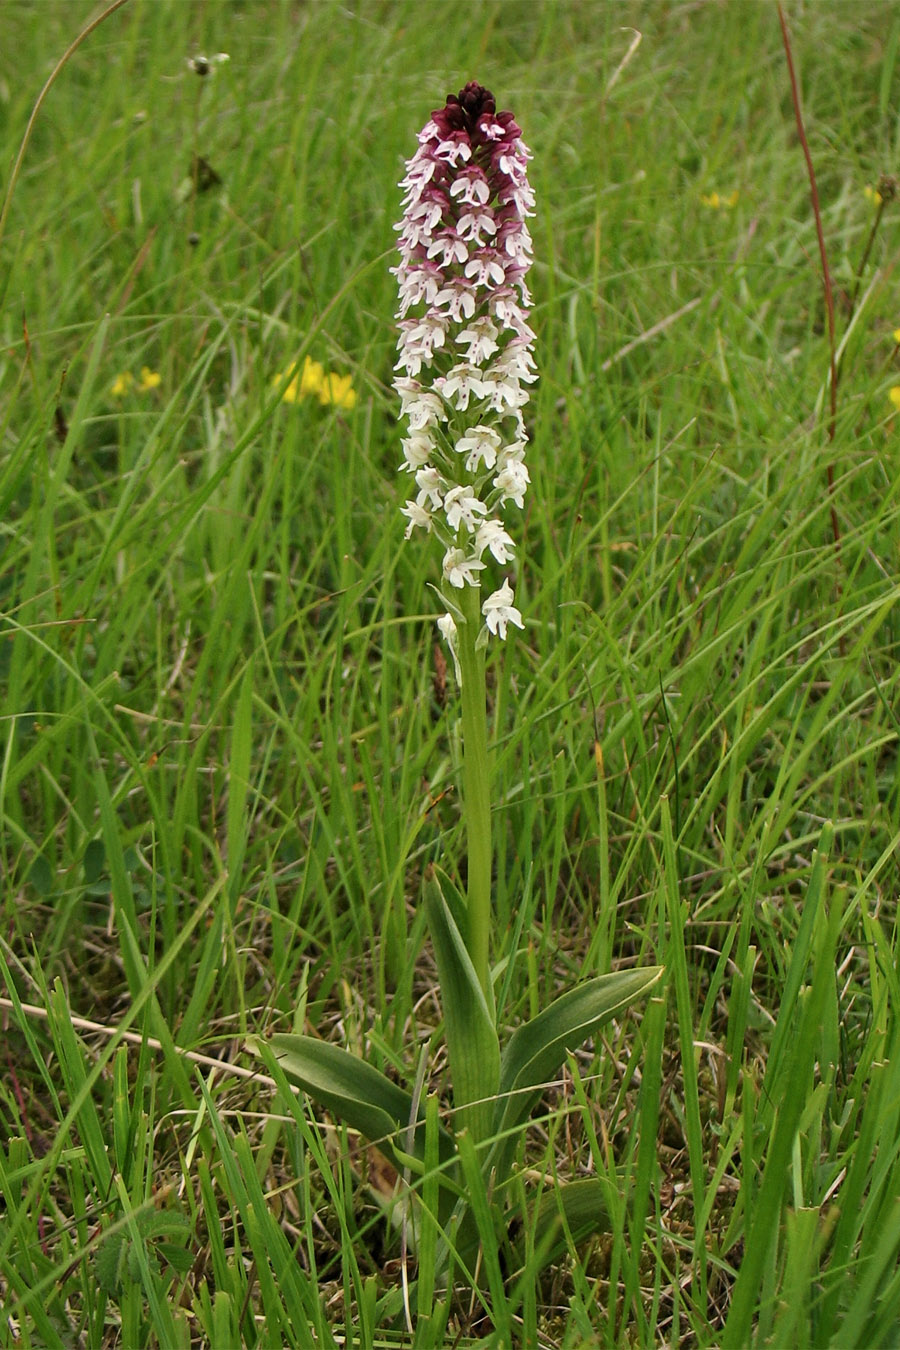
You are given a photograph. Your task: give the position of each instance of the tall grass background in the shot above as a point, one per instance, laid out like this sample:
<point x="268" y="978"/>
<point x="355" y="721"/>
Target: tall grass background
<point x="227" y="749"/>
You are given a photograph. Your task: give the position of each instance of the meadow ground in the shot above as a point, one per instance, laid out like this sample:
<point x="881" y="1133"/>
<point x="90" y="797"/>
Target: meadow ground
<point x="226" y="749"/>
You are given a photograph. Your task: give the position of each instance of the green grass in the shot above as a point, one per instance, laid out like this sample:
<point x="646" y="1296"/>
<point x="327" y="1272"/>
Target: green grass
<point x="224" y="761"/>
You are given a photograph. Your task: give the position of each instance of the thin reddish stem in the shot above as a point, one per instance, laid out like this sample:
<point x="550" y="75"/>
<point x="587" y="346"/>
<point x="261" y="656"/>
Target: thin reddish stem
<point x="823" y="254"/>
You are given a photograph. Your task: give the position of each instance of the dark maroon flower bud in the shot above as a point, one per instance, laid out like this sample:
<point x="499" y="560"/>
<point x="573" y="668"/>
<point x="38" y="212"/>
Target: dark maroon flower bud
<point x="464" y="111"/>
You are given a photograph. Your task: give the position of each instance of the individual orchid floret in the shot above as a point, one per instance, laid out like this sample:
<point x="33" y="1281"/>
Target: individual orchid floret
<point x="499" y="610"/>
<point x="479" y="445"/>
<point x="512" y="482"/>
<point x="430" y="485"/>
<point x="491" y="535"/>
<point x="462" y="507"/>
<point x="417" y="451"/>
<point x="461" y="570"/>
<point x="464" y="354"/>
<point x="417" y="516"/>
<point x="462" y="383"/>
<point x="481" y="339"/>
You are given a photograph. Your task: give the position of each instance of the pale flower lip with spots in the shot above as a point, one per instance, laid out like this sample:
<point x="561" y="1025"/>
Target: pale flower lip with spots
<point x="465" y="349"/>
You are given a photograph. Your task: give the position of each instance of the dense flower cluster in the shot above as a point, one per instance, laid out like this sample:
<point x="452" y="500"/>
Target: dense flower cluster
<point x="465" y="348"/>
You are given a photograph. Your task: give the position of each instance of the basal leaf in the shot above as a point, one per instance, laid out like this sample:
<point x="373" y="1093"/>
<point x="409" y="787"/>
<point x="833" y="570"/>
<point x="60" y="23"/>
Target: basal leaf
<point x="355" y="1092"/>
<point x="536" y="1050"/>
<point x="468" y="1021"/>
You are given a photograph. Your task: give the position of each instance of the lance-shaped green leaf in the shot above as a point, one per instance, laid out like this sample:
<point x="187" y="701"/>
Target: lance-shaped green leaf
<point x="536" y="1050"/>
<point x="354" y="1091"/>
<point x="468" y="1020"/>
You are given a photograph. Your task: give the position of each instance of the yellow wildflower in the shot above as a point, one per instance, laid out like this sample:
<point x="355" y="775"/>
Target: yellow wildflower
<point x="125" y="382"/>
<point x="338" y="389"/>
<point x="290" y="391"/>
<point x="896" y="336"/>
<point x="312" y="377"/>
<point x="309" y="381"/>
<point x="872" y="194"/>
<point x="150" y="379"/>
<point x="713" y="200"/>
<point x="894" y="396"/>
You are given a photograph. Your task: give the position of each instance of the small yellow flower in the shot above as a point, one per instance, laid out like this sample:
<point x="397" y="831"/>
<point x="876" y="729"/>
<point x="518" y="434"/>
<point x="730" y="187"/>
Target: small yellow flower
<point x="298" y="386"/>
<point x="896" y="336"/>
<point x="150" y="379"/>
<point x="121" y="384"/>
<point x="330" y="387"/>
<point x="894" y="396"/>
<point x="715" y="202"/>
<point x="872" y="194"/>
<point x="338" y="389"/>
<point x="288" y="385"/>
<point x="312" y="377"/>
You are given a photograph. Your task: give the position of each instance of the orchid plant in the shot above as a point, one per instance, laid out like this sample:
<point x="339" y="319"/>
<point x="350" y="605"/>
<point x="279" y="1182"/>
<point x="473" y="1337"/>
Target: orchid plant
<point x="465" y="364"/>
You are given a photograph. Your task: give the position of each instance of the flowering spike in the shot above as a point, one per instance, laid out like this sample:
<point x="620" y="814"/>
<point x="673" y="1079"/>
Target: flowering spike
<point x="465" y="348"/>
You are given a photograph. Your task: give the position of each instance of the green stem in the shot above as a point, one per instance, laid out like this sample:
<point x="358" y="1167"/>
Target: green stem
<point x="476" y="786"/>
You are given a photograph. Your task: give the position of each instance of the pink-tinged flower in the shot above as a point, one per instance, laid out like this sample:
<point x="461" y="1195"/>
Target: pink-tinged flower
<point x="472" y="187"/>
<point x="464" y="355"/>
<point x="455" y="150"/>
<point x="420" y="283"/>
<point x="460" y="385"/>
<point x="486" y="268"/>
<point x="474" y="224"/>
<point x="448" y="248"/>
<point x="481" y="339"/>
<point x="459" y="297"/>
